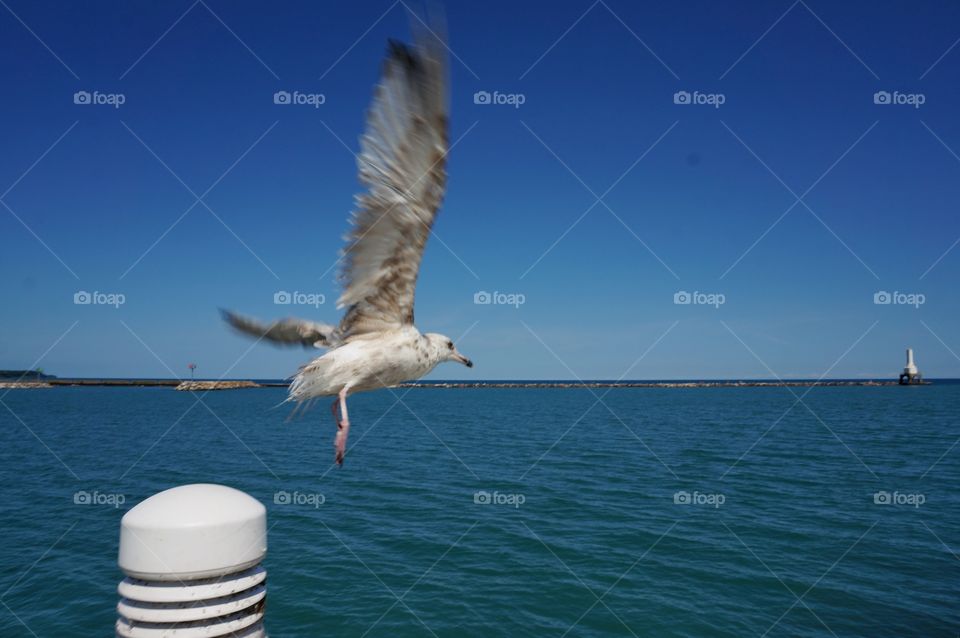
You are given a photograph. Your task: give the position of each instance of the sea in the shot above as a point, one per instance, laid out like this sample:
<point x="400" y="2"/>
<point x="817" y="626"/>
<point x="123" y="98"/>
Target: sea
<point x="687" y="512"/>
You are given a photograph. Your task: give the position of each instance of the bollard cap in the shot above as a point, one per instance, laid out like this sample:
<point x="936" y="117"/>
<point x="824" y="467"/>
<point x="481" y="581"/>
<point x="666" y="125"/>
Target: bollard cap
<point x="193" y="531"/>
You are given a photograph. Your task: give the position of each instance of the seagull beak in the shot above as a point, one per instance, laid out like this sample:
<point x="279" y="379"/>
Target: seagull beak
<point x="462" y="359"/>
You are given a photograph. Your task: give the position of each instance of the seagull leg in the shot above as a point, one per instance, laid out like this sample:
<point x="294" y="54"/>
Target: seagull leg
<point x="334" y="412"/>
<point x="343" y="425"/>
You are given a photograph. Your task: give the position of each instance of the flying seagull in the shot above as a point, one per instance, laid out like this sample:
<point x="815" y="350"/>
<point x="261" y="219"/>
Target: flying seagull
<point x="402" y="165"/>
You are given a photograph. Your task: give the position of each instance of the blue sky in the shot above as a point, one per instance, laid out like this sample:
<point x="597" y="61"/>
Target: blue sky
<point x="694" y="197"/>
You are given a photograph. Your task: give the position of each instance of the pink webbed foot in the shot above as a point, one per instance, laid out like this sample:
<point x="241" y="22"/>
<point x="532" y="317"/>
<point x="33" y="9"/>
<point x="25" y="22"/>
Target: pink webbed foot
<point x="339" y="408"/>
<point x="340" y="441"/>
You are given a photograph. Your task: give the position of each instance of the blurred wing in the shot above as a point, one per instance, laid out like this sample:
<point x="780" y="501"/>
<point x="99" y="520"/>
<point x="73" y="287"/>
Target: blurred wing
<point x="285" y="332"/>
<point x="403" y="165"/>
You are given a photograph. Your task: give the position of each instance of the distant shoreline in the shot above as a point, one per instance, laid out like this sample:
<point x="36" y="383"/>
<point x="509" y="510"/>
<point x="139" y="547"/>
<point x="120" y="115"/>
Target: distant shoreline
<point x="209" y="384"/>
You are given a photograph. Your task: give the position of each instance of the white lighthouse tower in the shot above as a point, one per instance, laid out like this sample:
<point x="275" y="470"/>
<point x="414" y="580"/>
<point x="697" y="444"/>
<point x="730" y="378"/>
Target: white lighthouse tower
<point x="910" y="372"/>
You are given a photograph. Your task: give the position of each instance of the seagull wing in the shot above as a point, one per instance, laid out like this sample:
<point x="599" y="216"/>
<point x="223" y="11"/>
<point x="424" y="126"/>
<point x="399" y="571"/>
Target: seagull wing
<point x="403" y="166"/>
<point x="288" y="332"/>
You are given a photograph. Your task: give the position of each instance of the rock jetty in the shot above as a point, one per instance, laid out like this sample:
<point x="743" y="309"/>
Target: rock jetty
<point x="23" y="385"/>
<point x="648" y="384"/>
<point x="195" y="386"/>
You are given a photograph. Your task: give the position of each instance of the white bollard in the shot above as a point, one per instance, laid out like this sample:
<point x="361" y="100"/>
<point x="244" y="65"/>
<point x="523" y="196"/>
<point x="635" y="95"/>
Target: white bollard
<point x="192" y="558"/>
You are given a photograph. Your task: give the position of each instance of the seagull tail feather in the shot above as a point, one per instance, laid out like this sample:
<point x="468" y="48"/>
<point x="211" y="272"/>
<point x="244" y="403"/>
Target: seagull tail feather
<point x="310" y="381"/>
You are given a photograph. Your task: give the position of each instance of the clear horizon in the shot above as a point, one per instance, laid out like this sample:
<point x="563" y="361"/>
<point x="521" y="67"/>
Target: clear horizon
<point x="632" y="191"/>
<point x="438" y="379"/>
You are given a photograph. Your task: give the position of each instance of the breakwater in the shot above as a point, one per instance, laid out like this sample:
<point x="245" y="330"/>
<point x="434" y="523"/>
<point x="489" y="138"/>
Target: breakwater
<point x="197" y="386"/>
<point x="649" y="384"/>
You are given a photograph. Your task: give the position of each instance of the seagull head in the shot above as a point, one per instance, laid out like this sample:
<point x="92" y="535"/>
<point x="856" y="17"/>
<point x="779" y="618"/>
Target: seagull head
<point x="444" y="349"/>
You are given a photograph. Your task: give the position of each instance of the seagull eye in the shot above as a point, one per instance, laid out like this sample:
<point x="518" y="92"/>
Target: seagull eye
<point x="450" y="345"/>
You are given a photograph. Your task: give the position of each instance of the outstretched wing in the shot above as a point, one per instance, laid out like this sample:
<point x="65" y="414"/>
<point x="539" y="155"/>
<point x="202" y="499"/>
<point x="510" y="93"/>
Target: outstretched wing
<point x="287" y="332"/>
<point x="403" y="165"/>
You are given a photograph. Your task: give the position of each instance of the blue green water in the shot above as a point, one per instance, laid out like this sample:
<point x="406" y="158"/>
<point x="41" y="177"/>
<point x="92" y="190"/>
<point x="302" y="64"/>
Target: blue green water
<point x="784" y="537"/>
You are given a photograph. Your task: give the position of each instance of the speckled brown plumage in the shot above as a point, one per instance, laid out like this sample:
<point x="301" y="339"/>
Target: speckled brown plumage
<point x="403" y="165"/>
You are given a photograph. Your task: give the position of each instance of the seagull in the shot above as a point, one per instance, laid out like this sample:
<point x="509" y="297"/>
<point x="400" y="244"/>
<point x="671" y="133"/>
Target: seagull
<point x="402" y="165"/>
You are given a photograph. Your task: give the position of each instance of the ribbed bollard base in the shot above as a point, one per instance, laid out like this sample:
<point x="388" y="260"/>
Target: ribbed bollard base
<point x="230" y="605"/>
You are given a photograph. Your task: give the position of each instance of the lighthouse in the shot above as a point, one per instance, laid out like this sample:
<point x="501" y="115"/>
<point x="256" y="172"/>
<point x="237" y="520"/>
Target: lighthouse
<point x="910" y="374"/>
